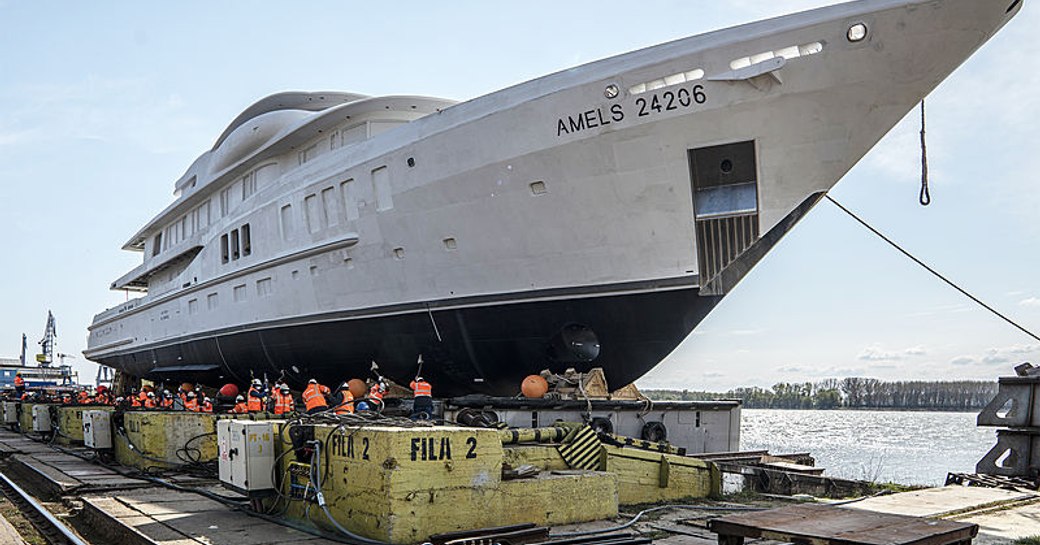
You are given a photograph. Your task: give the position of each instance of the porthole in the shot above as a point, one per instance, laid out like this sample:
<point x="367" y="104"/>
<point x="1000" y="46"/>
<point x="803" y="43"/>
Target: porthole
<point x="857" y="32"/>
<point x="726" y="166"/>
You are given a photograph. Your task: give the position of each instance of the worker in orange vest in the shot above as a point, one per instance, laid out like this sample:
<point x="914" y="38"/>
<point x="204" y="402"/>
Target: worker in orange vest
<point x="344" y="401"/>
<point x="375" y="396"/>
<point x="19" y="383"/>
<point x="314" y="397"/>
<point x="167" y="400"/>
<point x="283" y="401"/>
<point x="190" y="403"/>
<point x="422" y="404"/>
<point x="143" y="396"/>
<point x="135" y="400"/>
<point x="240" y="405"/>
<point x="83" y="397"/>
<point x="66" y="398"/>
<point x="207" y="404"/>
<point x="149" y="401"/>
<point x="255" y="397"/>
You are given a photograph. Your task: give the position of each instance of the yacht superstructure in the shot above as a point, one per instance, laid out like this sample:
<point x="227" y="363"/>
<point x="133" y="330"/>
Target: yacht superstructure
<point x="590" y="217"/>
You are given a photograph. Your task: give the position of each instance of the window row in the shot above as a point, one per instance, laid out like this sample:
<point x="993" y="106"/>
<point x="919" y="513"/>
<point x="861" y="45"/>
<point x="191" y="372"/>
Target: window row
<point x="235" y="244"/>
<point x="264" y="287"/>
<point x="335" y="204"/>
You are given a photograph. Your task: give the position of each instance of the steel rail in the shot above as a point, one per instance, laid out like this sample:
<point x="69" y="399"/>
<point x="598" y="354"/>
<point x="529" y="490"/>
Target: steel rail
<point x="54" y="530"/>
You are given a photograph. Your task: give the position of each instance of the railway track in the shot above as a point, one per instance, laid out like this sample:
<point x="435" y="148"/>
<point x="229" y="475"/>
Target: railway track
<point x="52" y="529"/>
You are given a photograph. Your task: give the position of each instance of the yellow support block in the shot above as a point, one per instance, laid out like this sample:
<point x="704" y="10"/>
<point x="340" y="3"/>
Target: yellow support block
<point x="166" y="439"/>
<point x="650" y="477"/>
<point x="546" y="458"/>
<point x="402" y="485"/>
<point x="68" y="428"/>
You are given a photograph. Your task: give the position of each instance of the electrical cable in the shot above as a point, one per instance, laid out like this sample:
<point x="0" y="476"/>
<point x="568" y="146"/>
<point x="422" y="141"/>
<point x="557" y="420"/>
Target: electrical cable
<point x="639" y="515"/>
<point x="933" y="271"/>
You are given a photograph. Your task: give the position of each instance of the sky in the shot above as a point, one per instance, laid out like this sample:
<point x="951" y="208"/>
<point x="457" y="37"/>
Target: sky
<point x="104" y="105"/>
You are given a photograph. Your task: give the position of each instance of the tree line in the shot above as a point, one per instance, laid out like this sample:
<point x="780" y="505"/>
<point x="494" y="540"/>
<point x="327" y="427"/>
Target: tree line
<point x="851" y="393"/>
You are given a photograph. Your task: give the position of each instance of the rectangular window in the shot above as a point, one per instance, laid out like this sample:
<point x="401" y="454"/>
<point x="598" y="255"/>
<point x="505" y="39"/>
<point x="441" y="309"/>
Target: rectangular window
<point x="313" y="213"/>
<point x="234" y="244"/>
<point x="212" y="301"/>
<point x="349" y="200"/>
<point x="263" y="287"/>
<point x="248" y="185"/>
<point x="157" y="244"/>
<point x="238" y="293"/>
<point x="287" y="221"/>
<point x="225" y="204"/>
<point x="193" y="306"/>
<point x="247" y="247"/>
<point x="381" y="182"/>
<point x="224" y="254"/>
<point x="328" y="206"/>
<point x="306" y="155"/>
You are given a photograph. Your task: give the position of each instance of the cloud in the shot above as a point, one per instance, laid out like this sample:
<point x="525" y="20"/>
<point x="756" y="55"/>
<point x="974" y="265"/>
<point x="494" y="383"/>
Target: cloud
<point x="915" y="351"/>
<point x="1030" y="302"/>
<point x="962" y="360"/>
<point x="713" y="374"/>
<point x="747" y="332"/>
<point x="876" y="353"/>
<point x="792" y="369"/>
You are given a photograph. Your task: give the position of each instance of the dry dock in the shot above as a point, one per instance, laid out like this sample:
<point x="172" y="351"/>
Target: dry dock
<point x="113" y="504"/>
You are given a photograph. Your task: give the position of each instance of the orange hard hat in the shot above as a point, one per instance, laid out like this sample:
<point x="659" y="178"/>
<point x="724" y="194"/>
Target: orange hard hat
<point x="534" y="386"/>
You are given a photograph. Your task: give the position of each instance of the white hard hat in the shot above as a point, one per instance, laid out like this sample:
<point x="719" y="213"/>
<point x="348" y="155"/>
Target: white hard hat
<point x="312" y="381"/>
<point x="191" y="394"/>
<point x="239" y="398"/>
<point x="256" y="382"/>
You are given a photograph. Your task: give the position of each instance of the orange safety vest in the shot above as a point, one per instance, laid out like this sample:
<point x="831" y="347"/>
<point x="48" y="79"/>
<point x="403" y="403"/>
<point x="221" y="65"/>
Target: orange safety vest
<point x="283" y="403"/>
<point x="19" y="381"/>
<point x="135" y="402"/>
<point x="376" y="393"/>
<point x="207" y="406"/>
<point x="149" y="403"/>
<point x="347" y="406"/>
<point x="314" y="396"/>
<point x="166" y="403"/>
<point x="422" y="388"/>
<point x="240" y="408"/>
<point x="191" y="405"/>
<point x="254" y="404"/>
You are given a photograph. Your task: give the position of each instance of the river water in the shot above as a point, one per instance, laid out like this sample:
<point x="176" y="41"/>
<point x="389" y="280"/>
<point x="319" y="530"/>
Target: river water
<point x="906" y="447"/>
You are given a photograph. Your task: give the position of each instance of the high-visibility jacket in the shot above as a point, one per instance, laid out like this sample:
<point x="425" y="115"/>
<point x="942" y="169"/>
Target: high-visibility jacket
<point x="254" y="401"/>
<point x="376" y="392"/>
<point x="314" y="396"/>
<point x="283" y="403"/>
<point x="207" y="406"/>
<point x="240" y="408"/>
<point x="66" y="399"/>
<point x="422" y="388"/>
<point x="166" y="403"/>
<point x="149" y="403"/>
<point x="83" y="398"/>
<point x="135" y="401"/>
<point x="191" y="405"/>
<point x="19" y="382"/>
<point x="346" y="405"/>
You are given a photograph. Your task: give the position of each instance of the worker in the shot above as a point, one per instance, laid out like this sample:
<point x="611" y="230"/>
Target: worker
<point x="149" y="401"/>
<point x="255" y="397"/>
<point x="375" y="395"/>
<point x="207" y="404"/>
<point x="135" y="400"/>
<point x="167" y="400"/>
<point x="83" y="397"/>
<point x="314" y="397"/>
<point x="240" y="405"/>
<point x="422" y="404"/>
<point x="143" y="395"/>
<point x="66" y="398"/>
<point x="19" y="384"/>
<point x="344" y="400"/>
<point x="283" y="401"/>
<point x="190" y="403"/>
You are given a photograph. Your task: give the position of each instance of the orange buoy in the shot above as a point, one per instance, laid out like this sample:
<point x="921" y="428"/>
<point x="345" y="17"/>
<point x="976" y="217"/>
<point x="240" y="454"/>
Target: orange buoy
<point x="534" y="386"/>
<point x="358" y="388"/>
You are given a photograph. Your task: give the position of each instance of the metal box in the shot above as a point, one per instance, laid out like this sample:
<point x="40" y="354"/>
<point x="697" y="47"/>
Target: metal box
<point x="245" y="455"/>
<point x="10" y="412"/>
<point x="41" y="419"/>
<point x="97" y="429"/>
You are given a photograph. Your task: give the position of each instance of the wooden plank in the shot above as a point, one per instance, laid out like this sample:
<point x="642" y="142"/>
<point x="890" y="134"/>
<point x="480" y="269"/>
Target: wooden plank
<point x="840" y="526"/>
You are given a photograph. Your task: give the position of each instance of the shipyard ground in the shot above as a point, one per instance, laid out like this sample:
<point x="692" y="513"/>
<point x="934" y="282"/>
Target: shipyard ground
<point x="112" y="504"/>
